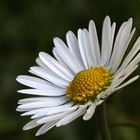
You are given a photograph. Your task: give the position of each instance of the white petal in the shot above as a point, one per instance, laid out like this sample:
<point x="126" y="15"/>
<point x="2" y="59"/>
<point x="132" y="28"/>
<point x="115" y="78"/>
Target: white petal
<point x="44" y="92"/>
<point x="54" y="117"/>
<point x="62" y="109"/>
<point x="72" y="116"/>
<point x="111" y="40"/>
<point x="107" y="40"/>
<point x="45" y="128"/>
<point x="31" y="125"/>
<point x="82" y="47"/>
<point x="119" y="79"/>
<point x="35" y="82"/>
<point x="46" y="99"/>
<point x="38" y="103"/>
<point x="116" y="44"/>
<point x="109" y="52"/>
<point x="123" y="52"/>
<point x="89" y="113"/>
<point x="61" y="60"/>
<point x="49" y="76"/>
<point x="74" y="46"/>
<point x="103" y="95"/>
<point x="22" y="110"/>
<point x="44" y="111"/>
<point x="127" y="83"/>
<point x="55" y="66"/>
<point x="134" y="62"/>
<point x="54" y="110"/>
<point x="99" y="101"/>
<point x="88" y="48"/>
<point x="32" y="112"/>
<point x="121" y="43"/>
<point x="131" y="54"/>
<point x="94" y="42"/>
<point x="40" y="63"/>
<point x="64" y="53"/>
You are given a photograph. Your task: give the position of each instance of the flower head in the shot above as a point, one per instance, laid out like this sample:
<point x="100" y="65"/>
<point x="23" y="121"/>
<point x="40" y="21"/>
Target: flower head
<point x="80" y="77"/>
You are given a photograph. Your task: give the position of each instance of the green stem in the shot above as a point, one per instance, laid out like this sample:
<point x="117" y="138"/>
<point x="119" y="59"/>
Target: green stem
<point x="102" y="122"/>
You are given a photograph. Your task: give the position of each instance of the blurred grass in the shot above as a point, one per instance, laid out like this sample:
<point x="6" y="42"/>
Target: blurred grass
<point x="27" y="27"/>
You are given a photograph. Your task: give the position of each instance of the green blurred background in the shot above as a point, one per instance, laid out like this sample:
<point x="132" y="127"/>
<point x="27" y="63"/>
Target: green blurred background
<point x="28" y="27"/>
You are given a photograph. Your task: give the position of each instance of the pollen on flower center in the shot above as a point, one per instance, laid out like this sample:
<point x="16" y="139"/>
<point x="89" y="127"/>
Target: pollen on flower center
<point x="88" y="83"/>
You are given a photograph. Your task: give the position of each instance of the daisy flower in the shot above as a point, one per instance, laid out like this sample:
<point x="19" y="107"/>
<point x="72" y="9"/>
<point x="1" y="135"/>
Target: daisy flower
<point x="80" y="76"/>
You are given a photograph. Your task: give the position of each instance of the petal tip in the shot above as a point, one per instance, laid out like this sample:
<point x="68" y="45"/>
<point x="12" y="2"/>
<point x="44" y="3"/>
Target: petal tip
<point x="41" y="53"/>
<point x="85" y="118"/>
<point x="58" y="124"/>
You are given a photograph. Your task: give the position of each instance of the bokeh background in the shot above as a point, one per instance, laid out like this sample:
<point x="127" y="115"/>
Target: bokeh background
<point x="28" y="27"/>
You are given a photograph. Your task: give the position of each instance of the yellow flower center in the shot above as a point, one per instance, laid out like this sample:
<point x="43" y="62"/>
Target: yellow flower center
<point x="88" y="83"/>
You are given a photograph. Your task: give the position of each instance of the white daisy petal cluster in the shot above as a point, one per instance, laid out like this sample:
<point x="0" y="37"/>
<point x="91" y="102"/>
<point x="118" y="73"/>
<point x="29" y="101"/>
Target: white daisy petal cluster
<point x="51" y="106"/>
